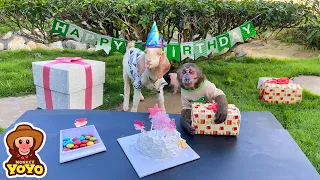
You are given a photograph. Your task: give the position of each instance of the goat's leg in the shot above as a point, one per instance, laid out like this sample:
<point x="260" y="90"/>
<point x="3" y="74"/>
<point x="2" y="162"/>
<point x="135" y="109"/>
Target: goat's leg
<point x="136" y="100"/>
<point x="161" y="100"/>
<point x="141" y="97"/>
<point x="126" y="90"/>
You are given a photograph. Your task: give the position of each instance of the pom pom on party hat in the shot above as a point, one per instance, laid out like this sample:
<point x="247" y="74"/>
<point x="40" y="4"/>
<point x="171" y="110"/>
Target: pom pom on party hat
<point x="154" y="39"/>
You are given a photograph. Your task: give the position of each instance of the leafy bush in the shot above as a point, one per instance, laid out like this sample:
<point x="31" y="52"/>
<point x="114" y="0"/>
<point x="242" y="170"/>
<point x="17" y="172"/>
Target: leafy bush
<point x="133" y="18"/>
<point x="309" y="33"/>
<point x="26" y="14"/>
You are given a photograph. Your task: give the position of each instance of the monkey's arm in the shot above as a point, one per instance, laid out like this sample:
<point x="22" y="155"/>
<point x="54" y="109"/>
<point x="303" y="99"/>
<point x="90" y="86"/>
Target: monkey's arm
<point x="222" y="111"/>
<point x="186" y="121"/>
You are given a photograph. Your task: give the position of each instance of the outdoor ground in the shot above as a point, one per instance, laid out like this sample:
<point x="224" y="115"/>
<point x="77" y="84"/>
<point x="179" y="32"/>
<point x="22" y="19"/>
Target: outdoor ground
<point x="236" y="77"/>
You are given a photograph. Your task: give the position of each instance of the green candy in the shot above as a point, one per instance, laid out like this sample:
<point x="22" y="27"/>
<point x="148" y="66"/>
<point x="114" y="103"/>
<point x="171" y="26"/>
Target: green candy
<point x="87" y="137"/>
<point x="93" y="139"/>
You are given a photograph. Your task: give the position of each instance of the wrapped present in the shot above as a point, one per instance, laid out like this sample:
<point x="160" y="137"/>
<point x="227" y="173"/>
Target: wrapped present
<point x="280" y="90"/>
<point x="69" y="83"/>
<point x="203" y="116"/>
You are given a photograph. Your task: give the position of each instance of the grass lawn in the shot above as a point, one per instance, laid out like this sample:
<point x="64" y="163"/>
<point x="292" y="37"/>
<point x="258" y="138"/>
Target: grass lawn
<point x="236" y="77"/>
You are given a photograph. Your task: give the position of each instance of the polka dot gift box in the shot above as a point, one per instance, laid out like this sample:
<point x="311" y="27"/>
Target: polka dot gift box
<point x="280" y="91"/>
<point x="203" y="116"/>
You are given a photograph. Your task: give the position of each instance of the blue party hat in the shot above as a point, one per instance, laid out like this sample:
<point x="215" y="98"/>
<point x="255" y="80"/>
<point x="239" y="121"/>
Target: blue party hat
<point x="154" y="39"/>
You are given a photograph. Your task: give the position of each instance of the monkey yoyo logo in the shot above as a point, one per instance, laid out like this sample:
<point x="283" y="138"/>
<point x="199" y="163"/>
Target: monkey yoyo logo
<point x="23" y="143"/>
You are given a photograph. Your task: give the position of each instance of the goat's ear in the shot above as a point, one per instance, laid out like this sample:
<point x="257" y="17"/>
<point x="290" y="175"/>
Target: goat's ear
<point x="141" y="64"/>
<point x="163" y="67"/>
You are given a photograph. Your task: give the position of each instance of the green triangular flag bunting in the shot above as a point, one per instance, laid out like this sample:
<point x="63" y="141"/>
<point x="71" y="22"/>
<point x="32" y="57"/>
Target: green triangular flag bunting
<point x="60" y="27"/>
<point x="187" y="50"/>
<point x="223" y="41"/>
<point x="89" y="37"/>
<point x="118" y="45"/>
<point x="75" y="32"/>
<point x="235" y="36"/>
<point x="140" y="46"/>
<point x="212" y="46"/>
<point x="173" y="52"/>
<point x="104" y="42"/>
<point x="200" y="49"/>
<point x="247" y="30"/>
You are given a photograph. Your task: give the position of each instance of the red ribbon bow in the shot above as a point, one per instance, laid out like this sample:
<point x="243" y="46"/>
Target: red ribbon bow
<point x="282" y="80"/>
<point x="213" y="107"/>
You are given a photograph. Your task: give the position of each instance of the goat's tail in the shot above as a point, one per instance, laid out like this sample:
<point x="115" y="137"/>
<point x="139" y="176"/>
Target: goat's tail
<point x="130" y="44"/>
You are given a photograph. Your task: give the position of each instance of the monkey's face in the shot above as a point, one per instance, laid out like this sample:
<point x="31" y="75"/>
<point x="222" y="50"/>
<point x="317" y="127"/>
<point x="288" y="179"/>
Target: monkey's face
<point x="24" y="145"/>
<point x="190" y="76"/>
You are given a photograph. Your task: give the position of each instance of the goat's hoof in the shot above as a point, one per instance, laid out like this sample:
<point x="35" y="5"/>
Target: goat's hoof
<point x="134" y="110"/>
<point x="125" y="108"/>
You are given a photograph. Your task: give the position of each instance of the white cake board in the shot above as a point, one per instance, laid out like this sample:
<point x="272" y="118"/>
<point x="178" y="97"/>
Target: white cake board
<point x="145" y="166"/>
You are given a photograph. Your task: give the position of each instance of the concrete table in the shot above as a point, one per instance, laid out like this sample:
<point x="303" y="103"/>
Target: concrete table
<point x="262" y="151"/>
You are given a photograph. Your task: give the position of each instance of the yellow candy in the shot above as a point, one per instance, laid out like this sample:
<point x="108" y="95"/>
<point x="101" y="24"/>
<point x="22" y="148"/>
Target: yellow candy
<point x="182" y="143"/>
<point x="90" y="143"/>
<point x="70" y="146"/>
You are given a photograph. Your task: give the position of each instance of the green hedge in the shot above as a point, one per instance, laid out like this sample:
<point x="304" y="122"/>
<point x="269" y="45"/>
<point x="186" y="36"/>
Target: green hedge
<point x="189" y="17"/>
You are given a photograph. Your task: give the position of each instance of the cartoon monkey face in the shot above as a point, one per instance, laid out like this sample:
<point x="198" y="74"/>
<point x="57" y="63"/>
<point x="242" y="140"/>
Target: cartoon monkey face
<point x="190" y="76"/>
<point x="24" y="144"/>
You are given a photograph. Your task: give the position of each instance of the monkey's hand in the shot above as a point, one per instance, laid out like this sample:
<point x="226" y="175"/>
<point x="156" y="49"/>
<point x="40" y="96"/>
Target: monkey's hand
<point x="222" y="112"/>
<point x="186" y="121"/>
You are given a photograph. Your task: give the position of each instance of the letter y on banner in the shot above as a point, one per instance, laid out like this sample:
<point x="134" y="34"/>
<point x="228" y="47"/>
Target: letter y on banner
<point x="248" y="30"/>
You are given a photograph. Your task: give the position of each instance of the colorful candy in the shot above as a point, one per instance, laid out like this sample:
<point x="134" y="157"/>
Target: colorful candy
<point x="90" y="143"/>
<point x="83" y="145"/>
<point x="81" y="138"/>
<point x="70" y="146"/>
<point x="84" y="140"/>
<point x="69" y="142"/>
<point x="66" y="139"/>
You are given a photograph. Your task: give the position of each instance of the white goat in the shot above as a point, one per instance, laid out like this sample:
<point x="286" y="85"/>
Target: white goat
<point x="146" y="70"/>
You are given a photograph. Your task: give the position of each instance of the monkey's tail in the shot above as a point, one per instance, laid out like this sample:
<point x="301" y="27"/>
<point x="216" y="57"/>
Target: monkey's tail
<point x="131" y="44"/>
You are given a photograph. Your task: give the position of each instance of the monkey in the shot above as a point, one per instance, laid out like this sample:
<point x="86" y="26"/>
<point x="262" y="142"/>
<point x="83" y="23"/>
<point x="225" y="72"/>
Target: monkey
<point x="196" y="88"/>
<point x="23" y="144"/>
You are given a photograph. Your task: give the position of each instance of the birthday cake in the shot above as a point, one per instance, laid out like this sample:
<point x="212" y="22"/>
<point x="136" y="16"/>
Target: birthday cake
<point x="162" y="141"/>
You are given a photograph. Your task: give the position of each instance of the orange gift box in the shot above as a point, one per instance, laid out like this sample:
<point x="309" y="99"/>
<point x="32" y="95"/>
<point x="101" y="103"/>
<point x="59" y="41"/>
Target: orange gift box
<point x="203" y="116"/>
<point x="280" y="93"/>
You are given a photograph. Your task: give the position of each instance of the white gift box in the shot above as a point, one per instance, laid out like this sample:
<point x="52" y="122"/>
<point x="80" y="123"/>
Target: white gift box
<point x="67" y="82"/>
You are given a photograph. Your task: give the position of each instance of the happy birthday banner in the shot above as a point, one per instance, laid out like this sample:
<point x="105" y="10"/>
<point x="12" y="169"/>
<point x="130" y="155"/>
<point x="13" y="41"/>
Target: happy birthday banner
<point x="174" y="51"/>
